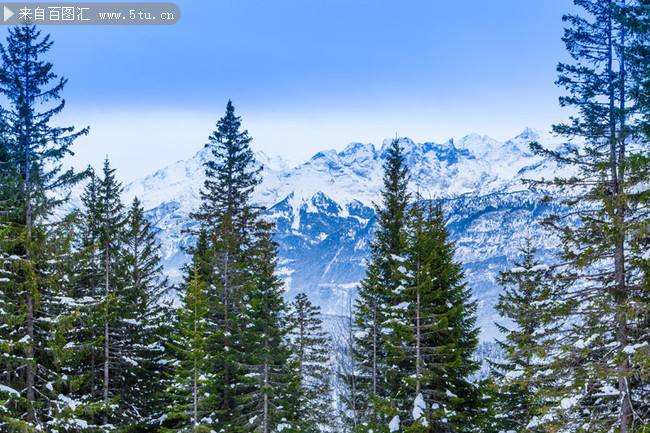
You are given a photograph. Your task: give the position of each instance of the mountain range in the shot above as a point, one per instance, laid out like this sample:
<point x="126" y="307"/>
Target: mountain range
<point x="325" y="219"/>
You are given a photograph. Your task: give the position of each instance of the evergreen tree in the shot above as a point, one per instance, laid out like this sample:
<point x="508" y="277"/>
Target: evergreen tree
<point x="34" y="146"/>
<point x="434" y="335"/>
<point x="144" y="322"/>
<point x="602" y="309"/>
<point x="81" y="361"/>
<point x="312" y="349"/>
<point x="191" y="365"/>
<point x="235" y="256"/>
<point x="231" y="177"/>
<point x="377" y="290"/>
<point x="116" y="339"/>
<point x="520" y="382"/>
<point x="227" y="218"/>
<point x="31" y="154"/>
<point x="270" y="388"/>
<point x="111" y="230"/>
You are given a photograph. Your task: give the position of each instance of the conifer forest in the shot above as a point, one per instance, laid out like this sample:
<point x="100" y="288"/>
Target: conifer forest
<point x="94" y="337"/>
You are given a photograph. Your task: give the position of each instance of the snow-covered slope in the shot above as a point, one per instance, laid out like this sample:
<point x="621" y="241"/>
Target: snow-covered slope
<point x="325" y="219"/>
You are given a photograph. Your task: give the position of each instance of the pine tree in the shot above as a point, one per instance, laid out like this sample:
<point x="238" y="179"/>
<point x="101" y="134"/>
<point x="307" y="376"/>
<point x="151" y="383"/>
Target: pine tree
<point x="32" y="150"/>
<point x="595" y="372"/>
<point x="519" y="381"/>
<point x="312" y="349"/>
<point x="377" y="289"/>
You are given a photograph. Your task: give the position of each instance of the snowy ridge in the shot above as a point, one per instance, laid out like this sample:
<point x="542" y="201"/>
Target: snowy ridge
<point x="325" y="218"/>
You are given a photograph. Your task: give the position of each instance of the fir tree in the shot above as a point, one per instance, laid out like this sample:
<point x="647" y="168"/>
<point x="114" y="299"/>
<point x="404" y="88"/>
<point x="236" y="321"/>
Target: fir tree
<point x="144" y="321"/>
<point x="230" y="177"/>
<point x="117" y="336"/>
<point x="595" y="374"/>
<point x="81" y="361"/>
<point x="227" y="221"/>
<point x="312" y="349"/>
<point x="111" y="229"/>
<point x="235" y="258"/>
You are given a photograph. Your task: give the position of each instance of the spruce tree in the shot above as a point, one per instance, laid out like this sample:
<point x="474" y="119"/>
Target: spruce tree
<point x="189" y="411"/>
<point x="312" y="348"/>
<point x="31" y="152"/>
<point x="377" y="290"/>
<point x="433" y="334"/>
<point x="520" y="381"/>
<point x="227" y="218"/>
<point x="117" y="336"/>
<point x="235" y="257"/>
<point x="111" y="230"/>
<point x="270" y="386"/>
<point x="144" y="322"/>
<point x="595" y="370"/>
<point x="81" y="362"/>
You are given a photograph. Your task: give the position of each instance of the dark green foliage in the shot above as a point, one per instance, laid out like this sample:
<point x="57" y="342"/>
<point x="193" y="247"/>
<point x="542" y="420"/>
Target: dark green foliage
<point x="191" y="362"/>
<point x="230" y="177"/>
<point x="33" y="93"/>
<point x="606" y="191"/>
<point x="252" y="386"/>
<point x="434" y="331"/>
<point x="145" y="325"/>
<point x="519" y="382"/>
<point x="312" y="349"/>
<point x="269" y="384"/>
<point x="35" y="255"/>
<point x="377" y="289"/>
<point x="117" y="330"/>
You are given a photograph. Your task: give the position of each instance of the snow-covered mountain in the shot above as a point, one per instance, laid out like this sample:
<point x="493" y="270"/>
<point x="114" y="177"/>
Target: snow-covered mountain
<point x="325" y="218"/>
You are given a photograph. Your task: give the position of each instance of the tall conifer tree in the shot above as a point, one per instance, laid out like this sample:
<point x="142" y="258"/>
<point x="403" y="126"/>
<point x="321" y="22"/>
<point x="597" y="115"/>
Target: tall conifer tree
<point x="235" y="257"/>
<point x="377" y="291"/>
<point x="32" y="150"/>
<point x="522" y="380"/>
<point x="312" y="348"/>
<point x="595" y="371"/>
<point x="433" y="334"/>
<point x="190" y="403"/>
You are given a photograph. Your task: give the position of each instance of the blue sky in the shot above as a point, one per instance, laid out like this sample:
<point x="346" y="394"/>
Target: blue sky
<point x="310" y="74"/>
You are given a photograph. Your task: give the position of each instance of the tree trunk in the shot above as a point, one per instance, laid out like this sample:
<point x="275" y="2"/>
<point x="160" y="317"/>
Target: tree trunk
<point x="265" y="419"/>
<point x="195" y="391"/>
<point x="106" y="333"/>
<point x="30" y="392"/>
<point x="418" y="334"/>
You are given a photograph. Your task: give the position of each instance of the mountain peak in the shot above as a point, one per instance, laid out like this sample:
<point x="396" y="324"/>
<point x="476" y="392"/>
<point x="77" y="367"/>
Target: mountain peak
<point x="529" y="134"/>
